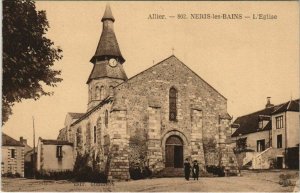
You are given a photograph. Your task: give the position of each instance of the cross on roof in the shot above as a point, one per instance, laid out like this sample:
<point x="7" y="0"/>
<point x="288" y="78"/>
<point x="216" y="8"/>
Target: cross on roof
<point x="173" y="50"/>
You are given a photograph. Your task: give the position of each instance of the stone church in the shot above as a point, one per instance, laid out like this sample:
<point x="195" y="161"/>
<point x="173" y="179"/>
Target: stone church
<point x="157" y="118"/>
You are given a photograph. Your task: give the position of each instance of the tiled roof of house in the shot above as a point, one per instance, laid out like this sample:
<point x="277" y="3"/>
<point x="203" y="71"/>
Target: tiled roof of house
<point x="292" y="105"/>
<point x="76" y="115"/>
<point x="55" y="142"/>
<point x="9" y="141"/>
<point x="250" y="123"/>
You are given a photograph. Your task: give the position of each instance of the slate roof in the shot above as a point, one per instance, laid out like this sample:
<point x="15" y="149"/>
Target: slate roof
<point x="9" y="141"/>
<point x="102" y="69"/>
<point x="55" y="142"/>
<point x="108" y="14"/>
<point x="249" y="123"/>
<point x="76" y="115"/>
<point x="108" y="44"/>
<point x="292" y="105"/>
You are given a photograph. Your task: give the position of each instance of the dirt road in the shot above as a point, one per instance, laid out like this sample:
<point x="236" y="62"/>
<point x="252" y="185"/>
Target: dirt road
<point x="249" y="182"/>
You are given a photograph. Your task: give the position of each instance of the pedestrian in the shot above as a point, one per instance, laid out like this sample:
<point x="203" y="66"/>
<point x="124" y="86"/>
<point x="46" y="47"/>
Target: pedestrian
<point x="187" y="169"/>
<point x="195" y="170"/>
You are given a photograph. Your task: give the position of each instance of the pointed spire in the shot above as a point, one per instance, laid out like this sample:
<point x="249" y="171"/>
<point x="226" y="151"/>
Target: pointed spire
<point x="108" y="45"/>
<point x="108" y="14"/>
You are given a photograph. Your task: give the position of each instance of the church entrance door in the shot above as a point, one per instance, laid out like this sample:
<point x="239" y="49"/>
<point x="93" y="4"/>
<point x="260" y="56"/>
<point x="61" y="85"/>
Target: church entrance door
<point x="174" y="152"/>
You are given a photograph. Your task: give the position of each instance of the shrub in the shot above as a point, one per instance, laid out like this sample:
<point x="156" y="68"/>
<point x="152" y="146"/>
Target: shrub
<point x="137" y="173"/>
<point x="11" y="175"/>
<point x="85" y="173"/>
<point x="216" y="170"/>
<point x="284" y="180"/>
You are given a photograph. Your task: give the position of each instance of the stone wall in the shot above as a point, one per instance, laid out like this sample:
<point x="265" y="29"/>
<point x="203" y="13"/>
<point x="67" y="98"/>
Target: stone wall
<point x="151" y="89"/>
<point x="139" y="123"/>
<point x="10" y="164"/>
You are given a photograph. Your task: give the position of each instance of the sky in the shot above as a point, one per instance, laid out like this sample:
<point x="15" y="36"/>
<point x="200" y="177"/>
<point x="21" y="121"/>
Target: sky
<point x="246" y="60"/>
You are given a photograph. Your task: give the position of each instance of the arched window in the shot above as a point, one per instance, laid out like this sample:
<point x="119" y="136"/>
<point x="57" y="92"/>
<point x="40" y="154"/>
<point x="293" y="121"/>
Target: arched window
<point x="106" y="118"/>
<point x="88" y="135"/>
<point x="97" y="93"/>
<point x="95" y="134"/>
<point x="172" y="104"/>
<point x="101" y="92"/>
<point x="78" y="137"/>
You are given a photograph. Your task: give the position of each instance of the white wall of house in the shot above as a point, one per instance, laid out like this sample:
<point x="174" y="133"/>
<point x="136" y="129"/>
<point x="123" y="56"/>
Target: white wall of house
<point x="252" y="139"/>
<point x="278" y="131"/>
<point x="12" y="165"/>
<point x="292" y="119"/>
<point x="47" y="159"/>
<point x="51" y="162"/>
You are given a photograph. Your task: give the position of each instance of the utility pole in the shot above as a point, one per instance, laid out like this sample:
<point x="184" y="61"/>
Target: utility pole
<point x="33" y="157"/>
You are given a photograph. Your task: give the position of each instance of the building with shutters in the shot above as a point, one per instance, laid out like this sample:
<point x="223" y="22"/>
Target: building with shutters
<point x="12" y="153"/>
<point x="155" y="119"/>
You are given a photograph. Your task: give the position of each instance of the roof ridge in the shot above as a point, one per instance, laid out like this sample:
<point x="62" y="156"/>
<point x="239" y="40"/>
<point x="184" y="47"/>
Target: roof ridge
<point x="181" y="63"/>
<point x="145" y="70"/>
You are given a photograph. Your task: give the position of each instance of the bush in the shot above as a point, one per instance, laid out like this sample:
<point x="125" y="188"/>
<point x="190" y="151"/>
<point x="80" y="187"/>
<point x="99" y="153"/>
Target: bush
<point x="137" y="173"/>
<point x="85" y="173"/>
<point x="216" y="170"/>
<point x="284" y="180"/>
<point x="11" y="175"/>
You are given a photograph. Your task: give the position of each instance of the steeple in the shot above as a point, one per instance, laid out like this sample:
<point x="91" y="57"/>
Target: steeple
<point x="108" y="62"/>
<point x="108" y="45"/>
<point x="108" y="14"/>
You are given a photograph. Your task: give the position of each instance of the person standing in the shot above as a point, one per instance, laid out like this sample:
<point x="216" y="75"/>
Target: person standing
<point x="195" y="170"/>
<point x="187" y="169"/>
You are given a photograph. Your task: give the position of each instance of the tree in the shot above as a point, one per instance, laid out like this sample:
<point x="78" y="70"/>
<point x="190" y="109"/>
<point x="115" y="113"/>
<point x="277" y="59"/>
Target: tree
<point x="28" y="55"/>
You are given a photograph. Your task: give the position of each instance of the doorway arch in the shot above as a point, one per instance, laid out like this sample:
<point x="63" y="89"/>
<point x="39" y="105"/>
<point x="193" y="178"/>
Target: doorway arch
<point x="174" y="152"/>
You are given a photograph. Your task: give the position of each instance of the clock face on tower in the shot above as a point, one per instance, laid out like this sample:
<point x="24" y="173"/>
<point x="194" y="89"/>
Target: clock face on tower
<point x="113" y="62"/>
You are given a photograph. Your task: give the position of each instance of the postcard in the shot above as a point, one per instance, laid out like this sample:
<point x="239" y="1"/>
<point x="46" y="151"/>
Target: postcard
<point x="150" y="96"/>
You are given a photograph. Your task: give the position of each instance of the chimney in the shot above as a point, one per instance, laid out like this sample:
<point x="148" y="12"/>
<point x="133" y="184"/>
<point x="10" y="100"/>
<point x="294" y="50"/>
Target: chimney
<point x="268" y="105"/>
<point x="23" y="141"/>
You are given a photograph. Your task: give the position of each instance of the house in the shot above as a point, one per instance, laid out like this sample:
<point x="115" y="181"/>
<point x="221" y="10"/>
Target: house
<point x="265" y="135"/>
<point x="12" y="153"/>
<point x="155" y="119"/>
<point x="54" y="155"/>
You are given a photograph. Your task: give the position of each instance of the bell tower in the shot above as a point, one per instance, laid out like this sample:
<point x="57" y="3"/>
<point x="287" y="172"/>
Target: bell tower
<point x="108" y="62"/>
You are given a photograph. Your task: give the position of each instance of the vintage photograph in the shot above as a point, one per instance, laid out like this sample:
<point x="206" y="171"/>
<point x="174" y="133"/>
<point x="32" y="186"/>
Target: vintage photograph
<point x="150" y="96"/>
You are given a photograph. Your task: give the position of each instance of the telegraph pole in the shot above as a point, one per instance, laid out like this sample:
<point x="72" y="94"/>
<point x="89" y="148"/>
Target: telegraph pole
<point x="33" y="157"/>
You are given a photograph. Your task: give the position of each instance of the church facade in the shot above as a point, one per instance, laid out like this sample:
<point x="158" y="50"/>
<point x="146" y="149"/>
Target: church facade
<point x="157" y="118"/>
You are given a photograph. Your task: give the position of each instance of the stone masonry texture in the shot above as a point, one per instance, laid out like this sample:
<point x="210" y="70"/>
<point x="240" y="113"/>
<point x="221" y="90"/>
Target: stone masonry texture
<point x="138" y="125"/>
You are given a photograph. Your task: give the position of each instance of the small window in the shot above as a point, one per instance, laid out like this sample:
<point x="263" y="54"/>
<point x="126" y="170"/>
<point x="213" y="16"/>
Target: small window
<point x="78" y="137"/>
<point x="261" y="145"/>
<point x="172" y="104"/>
<point x="279" y="122"/>
<point x="260" y="125"/>
<point x="279" y="141"/>
<point x="102" y="93"/>
<point x="59" y="151"/>
<point x="106" y="118"/>
<point x="13" y="153"/>
<point x="95" y="134"/>
<point x="97" y="93"/>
